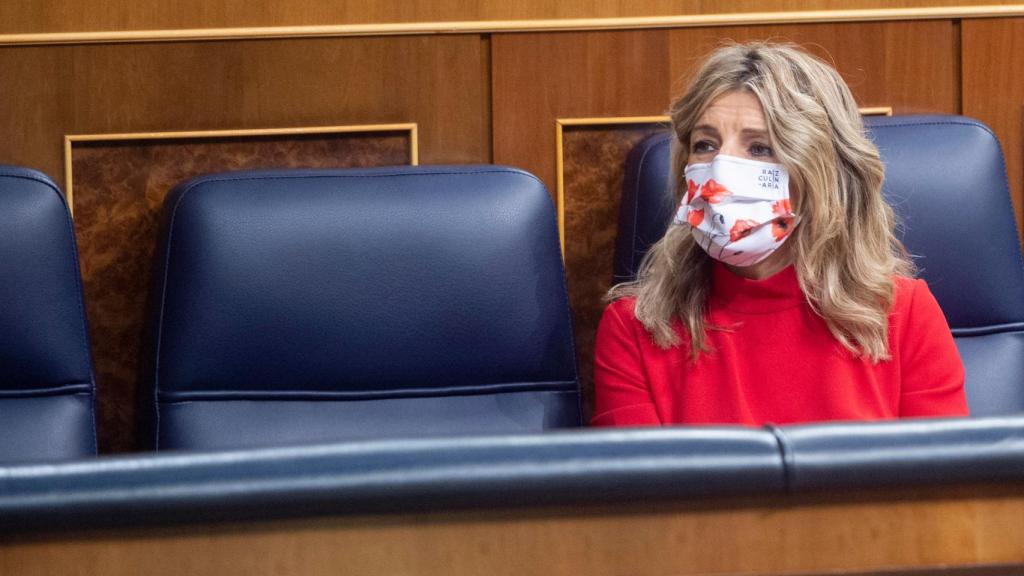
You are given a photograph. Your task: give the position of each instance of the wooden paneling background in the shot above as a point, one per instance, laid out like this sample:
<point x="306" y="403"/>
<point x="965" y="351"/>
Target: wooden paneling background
<point x="56" y="90"/>
<point x="475" y="97"/>
<point x="957" y="531"/>
<point x="102" y="15"/>
<point x="993" y="80"/>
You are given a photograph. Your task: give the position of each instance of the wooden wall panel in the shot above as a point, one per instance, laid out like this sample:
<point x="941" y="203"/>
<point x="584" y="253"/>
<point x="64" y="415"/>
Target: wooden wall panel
<point x="107" y="15"/>
<point x="913" y="533"/>
<point x="36" y="91"/>
<point x="438" y="82"/>
<point x="910" y="66"/>
<point x="539" y="78"/>
<point x="993" y="91"/>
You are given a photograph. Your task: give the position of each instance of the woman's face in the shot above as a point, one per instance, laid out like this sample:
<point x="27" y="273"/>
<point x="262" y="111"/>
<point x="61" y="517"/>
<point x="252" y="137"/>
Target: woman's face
<point x="734" y="125"/>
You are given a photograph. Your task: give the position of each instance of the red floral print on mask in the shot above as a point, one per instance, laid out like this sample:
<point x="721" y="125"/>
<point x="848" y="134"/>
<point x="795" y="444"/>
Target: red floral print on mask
<point x="782" y="208"/>
<point x="783" y="225"/>
<point x="695" y="217"/>
<point x="691" y="190"/>
<point x="741" y="229"/>
<point x="713" y="192"/>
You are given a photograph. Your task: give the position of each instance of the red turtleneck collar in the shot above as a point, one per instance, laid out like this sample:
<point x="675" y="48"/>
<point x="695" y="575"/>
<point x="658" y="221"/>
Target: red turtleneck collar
<point x="731" y="291"/>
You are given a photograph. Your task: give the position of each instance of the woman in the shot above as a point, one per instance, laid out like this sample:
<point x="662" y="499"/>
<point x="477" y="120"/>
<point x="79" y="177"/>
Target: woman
<point x="780" y="293"/>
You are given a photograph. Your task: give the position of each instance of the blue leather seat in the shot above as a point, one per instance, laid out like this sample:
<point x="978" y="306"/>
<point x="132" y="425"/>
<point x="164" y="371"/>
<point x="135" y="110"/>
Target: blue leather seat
<point x="946" y="180"/>
<point x="301" y="306"/>
<point x="46" y="380"/>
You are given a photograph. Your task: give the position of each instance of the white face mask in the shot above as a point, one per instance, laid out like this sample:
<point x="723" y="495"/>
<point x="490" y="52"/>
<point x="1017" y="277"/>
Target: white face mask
<point x="738" y="209"/>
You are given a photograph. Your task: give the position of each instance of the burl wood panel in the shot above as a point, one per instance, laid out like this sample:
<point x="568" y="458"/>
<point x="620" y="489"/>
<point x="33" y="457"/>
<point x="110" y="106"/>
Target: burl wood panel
<point x="993" y="91"/>
<point x="102" y="15"/>
<point x="119" y="189"/>
<point x="538" y="78"/>
<point x="441" y="83"/>
<point x="955" y="533"/>
<point x="594" y="166"/>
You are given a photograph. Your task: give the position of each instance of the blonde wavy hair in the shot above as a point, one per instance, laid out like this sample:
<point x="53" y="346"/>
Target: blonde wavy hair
<point x="844" y="249"/>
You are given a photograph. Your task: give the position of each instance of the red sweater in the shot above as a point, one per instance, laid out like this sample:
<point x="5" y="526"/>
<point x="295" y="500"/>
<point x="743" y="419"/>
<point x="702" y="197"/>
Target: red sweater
<point x="778" y="364"/>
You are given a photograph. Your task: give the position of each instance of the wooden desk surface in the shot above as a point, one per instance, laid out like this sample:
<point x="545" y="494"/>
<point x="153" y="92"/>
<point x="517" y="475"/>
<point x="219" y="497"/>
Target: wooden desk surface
<point x="976" y="530"/>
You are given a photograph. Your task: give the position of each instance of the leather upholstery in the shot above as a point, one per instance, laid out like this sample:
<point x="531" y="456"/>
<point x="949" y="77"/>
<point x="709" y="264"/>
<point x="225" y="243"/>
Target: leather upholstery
<point x="946" y="180"/>
<point x="576" y="467"/>
<point x="299" y="306"/>
<point x="647" y="206"/>
<point x="903" y="453"/>
<point x="556" y="468"/>
<point x="46" y="381"/>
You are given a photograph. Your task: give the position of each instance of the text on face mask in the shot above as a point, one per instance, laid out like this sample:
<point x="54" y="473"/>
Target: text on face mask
<point x="769" y="178"/>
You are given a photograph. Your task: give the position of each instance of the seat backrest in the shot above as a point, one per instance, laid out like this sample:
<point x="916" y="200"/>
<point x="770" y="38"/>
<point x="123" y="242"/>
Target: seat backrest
<point x="946" y="180"/>
<point x="46" y="379"/>
<point x="314" y="305"/>
<point x="647" y="205"/>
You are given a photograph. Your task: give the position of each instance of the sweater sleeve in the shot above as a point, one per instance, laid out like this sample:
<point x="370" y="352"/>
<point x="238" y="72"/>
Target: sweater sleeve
<point x="932" y="374"/>
<point x="622" y="396"/>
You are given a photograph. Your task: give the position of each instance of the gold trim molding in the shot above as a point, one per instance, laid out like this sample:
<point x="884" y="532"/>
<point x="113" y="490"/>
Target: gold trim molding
<point x="506" y="26"/>
<point x="71" y="139"/>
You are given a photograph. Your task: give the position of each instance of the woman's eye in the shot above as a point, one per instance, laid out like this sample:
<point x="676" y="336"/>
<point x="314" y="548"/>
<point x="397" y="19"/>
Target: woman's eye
<point x="702" y="147"/>
<point x="760" y="150"/>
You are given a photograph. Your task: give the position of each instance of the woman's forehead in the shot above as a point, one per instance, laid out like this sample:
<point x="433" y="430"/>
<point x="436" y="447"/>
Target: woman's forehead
<point x="738" y="111"/>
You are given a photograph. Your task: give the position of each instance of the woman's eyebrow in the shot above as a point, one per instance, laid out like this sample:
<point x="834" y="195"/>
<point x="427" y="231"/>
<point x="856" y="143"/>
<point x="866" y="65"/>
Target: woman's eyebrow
<point x="707" y="128"/>
<point x="755" y="132"/>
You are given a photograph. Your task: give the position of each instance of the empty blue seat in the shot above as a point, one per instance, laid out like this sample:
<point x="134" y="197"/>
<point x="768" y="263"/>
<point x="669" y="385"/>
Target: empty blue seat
<point x="946" y="180"/>
<point x="46" y="379"/>
<point x="301" y="306"/>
